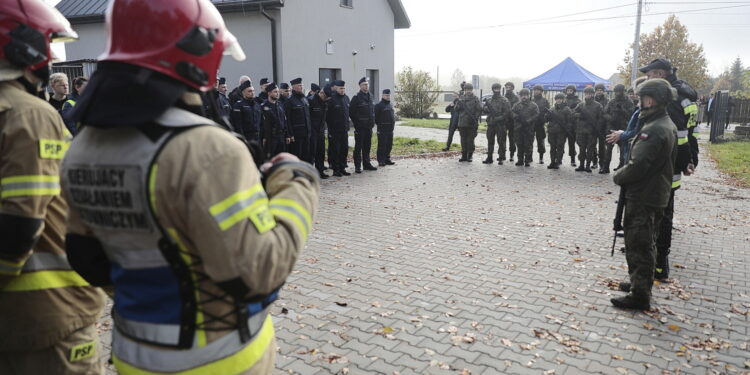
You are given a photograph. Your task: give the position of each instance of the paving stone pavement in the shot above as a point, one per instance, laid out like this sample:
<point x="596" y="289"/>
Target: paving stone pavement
<point x="438" y="267"/>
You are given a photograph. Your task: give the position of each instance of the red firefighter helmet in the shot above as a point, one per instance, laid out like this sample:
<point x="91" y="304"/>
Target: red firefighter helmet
<point x="27" y="27"/>
<point x="183" y="39"/>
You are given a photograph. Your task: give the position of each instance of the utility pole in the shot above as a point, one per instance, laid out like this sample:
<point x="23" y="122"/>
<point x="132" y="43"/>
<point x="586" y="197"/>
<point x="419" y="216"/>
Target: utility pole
<point x="636" y="45"/>
<point x="437" y="80"/>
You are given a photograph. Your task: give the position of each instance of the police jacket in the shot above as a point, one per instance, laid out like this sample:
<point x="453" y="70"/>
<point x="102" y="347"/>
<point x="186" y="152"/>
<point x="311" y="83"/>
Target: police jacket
<point x="273" y="120"/>
<point x="195" y="246"/>
<point x="225" y="108"/>
<point x="618" y="112"/>
<point x="318" y="108"/>
<point x="361" y="110"/>
<point x="337" y="116"/>
<point x="588" y="114"/>
<point x="41" y="298"/>
<point x="262" y="97"/>
<point x="65" y="112"/>
<point x="560" y="119"/>
<point x="246" y="118"/>
<point x="385" y="117"/>
<point x="298" y="116"/>
<point x="682" y="112"/>
<point x="647" y="176"/>
<point x="525" y="114"/>
<point x="498" y="111"/>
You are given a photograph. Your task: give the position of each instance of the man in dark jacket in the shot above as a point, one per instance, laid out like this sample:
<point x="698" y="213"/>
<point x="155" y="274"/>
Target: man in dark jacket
<point x="600" y="95"/>
<point x="453" y="124"/>
<point x="245" y="116"/>
<point x="572" y="100"/>
<point x="79" y="84"/>
<point x="498" y="113"/>
<point x="510" y="128"/>
<point x="469" y="110"/>
<point x="525" y="114"/>
<point x="222" y="101"/>
<point x="539" y="131"/>
<point x="236" y="93"/>
<point x="647" y="178"/>
<point x="560" y="125"/>
<point x="588" y="114"/>
<point x="385" y="119"/>
<point x="361" y="111"/>
<point x="616" y="115"/>
<point x="260" y="98"/>
<point x="298" y="117"/>
<point x="337" y="119"/>
<point x="318" y="106"/>
<point x="275" y="132"/>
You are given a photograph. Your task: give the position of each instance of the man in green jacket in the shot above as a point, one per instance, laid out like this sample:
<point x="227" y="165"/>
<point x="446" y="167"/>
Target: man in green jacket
<point x="469" y="110"/>
<point x="647" y="178"/>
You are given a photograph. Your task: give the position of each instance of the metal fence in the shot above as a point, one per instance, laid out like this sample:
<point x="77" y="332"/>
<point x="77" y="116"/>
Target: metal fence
<point x="740" y="112"/>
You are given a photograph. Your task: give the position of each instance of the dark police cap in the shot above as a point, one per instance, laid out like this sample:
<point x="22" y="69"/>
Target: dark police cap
<point x="271" y="86"/>
<point x="296" y="81"/>
<point x="245" y="85"/>
<point x="387" y="91"/>
<point x="263" y="81"/>
<point x="362" y="80"/>
<point x="283" y="85"/>
<point x="222" y="80"/>
<point x="314" y="87"/>
<point x="327" y="90"/>
<point x="657" y="64"/>
<point x="339" y="82"/>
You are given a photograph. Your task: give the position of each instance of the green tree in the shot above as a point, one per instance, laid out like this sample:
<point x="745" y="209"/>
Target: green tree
<point x="670" y="41"/>
<point x="417" y="92"/>
<point x="735" y="75"/>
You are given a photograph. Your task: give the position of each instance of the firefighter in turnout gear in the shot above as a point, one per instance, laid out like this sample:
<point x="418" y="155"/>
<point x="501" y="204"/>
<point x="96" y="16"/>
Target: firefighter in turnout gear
<point x="48" y="312"/>
<point x="168" y="207"/>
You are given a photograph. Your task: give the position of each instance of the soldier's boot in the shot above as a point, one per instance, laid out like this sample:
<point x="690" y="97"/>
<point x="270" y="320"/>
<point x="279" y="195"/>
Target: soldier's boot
<point x="624" y="286"/>
<point x="552" y="165"/>
<point x="463" y="156"/>
<point x="581" y="167"/>
<point x="662" y="265"/>
<point x="511" y="156"/>
<point x="369" y="167"/>
<point x="573" y="161"/>
<point x="488" y="160"/>
<point x="588" y="166"/>
<point x="541" y="158"/>
<point x="631" y="302"/>
<point x="469" y="158"/>
<point x="500" y="162"/>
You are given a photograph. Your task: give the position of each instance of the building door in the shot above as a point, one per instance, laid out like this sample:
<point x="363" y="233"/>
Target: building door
<point x="372" y="75"/>
<point x="326" y="75"/>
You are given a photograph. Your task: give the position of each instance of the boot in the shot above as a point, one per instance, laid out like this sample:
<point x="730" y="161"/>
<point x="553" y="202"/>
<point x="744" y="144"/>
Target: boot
<point x="582" y="167"/>
<point x="511" y="156"/>
<point x="463" y="156"/>
<point x="337" y="174"/>
<point x="541" y="158"/>
<point x="662" y="265"/>
<point x="527" y="163"/>
<point x="604" y="170"/>
<point x="572" y="161"/>
<point x="488" y="160"/>
<point x="596" y="163"/>
<point x="446" y="148"/>
<point x="631" y="302"/>
<point x="624" y="286"/>
<point x="500" y="161"/>
<point x="370" y="167"/>
<point x="551" y="165"/>
<point x="588" y="167"/>
<point x="322" y="175"/>
<point x="469" y="159"/>
<point x="345" y="173"/>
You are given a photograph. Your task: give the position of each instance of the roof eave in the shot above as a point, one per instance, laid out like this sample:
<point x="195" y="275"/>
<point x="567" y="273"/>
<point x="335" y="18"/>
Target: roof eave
<point x="400" y="18"/>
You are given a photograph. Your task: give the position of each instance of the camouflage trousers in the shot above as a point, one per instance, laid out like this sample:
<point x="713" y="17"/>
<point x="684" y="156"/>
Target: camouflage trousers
<point x="540" y="134"/>
<point x="467" y="138"/>
<point x="523" y="137"/>
<point x="556" y="146"/>
<point x="640" y="224"/>
<point x="586" y="146"/>
<point x="496" y="132"/>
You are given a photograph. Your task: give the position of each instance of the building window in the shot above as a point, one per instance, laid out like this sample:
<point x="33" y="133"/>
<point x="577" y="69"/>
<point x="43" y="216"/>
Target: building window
<point x="328" y="75"/>
<point x="347" y="3"/>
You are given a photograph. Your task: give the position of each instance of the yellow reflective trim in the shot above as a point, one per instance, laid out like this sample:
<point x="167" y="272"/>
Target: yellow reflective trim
<point x="44" y="280"/>
<point x="187" y="258"/>
<point x="682" y="141"/>
<point x="236" y="363"/>
<point x="8" y="263"/>
<point x="29" y="192"/>
<point x="255" y="208"/>
<point x="290" y="216"/>
<point x="296" y="206"/>
<point x="11" y="268"/>
<point x="676" y="184"/>
<point x="234" y="198"/>
<point x="152" y="187"/>
<point x="52" y="148"/>
<point x="29" y="178"/>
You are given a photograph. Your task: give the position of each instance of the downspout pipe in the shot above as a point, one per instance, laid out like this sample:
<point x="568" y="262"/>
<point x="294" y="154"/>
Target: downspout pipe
<point x="274" y="59"/>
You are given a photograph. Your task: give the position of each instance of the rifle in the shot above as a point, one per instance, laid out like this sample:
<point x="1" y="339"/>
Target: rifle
<point x="618" y="217"/>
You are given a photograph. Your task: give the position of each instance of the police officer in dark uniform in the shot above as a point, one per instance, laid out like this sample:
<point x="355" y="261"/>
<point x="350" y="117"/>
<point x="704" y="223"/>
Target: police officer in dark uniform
<point x="225" y="107"/>
<point x="361" y="111"/>
<point x="263" y="94"/>
<point x="512" y="99"/>
<point x="245" y="116"/>
<point x="314" y="90"/>
<point x="337" y="119"/>
<point x="275" y="133"/>
<point x="318" y="106"/>
<point x="284" y="94"/>
<point x="385" y="119"/>
<point x="572" y="100"/>
<point x="298" y="117"/>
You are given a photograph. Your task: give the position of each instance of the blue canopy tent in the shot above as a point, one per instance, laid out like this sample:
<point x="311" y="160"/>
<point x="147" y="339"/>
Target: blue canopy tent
<point x="566" y="73"/>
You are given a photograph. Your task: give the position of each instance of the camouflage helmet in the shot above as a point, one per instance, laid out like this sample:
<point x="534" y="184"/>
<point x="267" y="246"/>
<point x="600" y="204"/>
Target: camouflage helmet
<point x="468" y="86"/>
<point x="496" y="86"/>
<point x="538" y="87"/>
<point x="599" y="86"/>
<point x="619" y="87"/>
<point x="658" y="89"/>
<point x="559" y="95"/>
<point x="524" y="91"/>
<point x="571" y="87"/>
<point x="588" y="90"/>
<point x="510" y="84"/>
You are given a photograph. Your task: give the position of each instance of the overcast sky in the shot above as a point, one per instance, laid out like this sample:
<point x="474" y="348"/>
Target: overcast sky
<point x="479" y="36"/>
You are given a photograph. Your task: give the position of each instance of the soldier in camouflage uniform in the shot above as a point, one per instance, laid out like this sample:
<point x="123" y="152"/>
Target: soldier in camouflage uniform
<point x="647" y="178"/>
<point x="572" y="100"/>
<point x="588" y="114"/>
<point x="512" y="99"/>
<point x="616" y="115"/>
<point x="560" y="119"/>
<point x="469" y="110"/>
<point x="539" y="131"/>
<point x="525" y="114"/>
<point x="498" y="113"/>
<point x="601" y="97"/>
